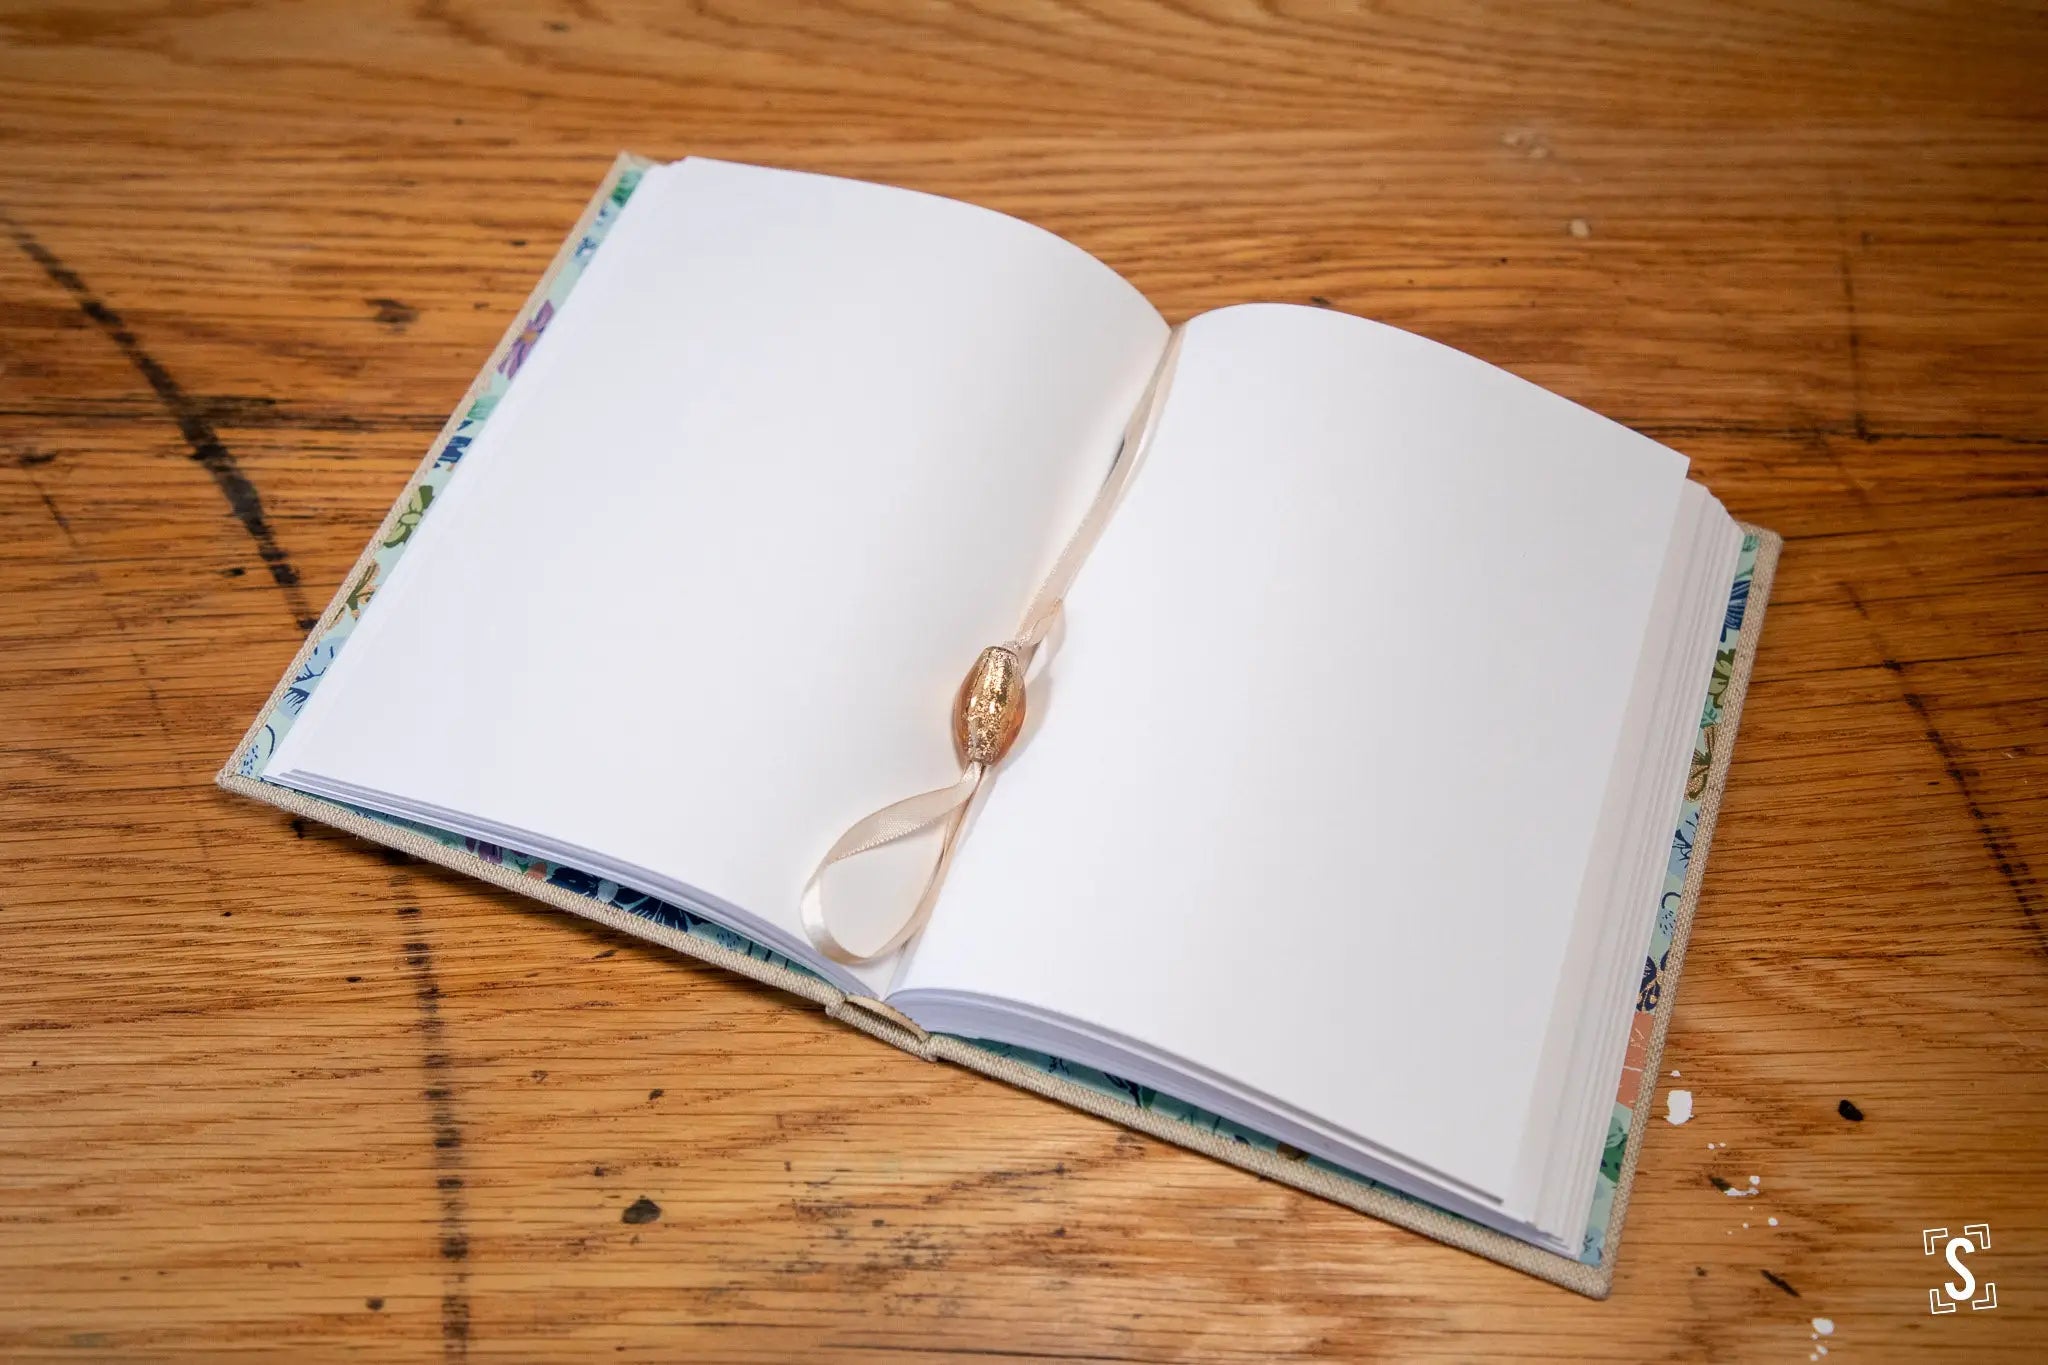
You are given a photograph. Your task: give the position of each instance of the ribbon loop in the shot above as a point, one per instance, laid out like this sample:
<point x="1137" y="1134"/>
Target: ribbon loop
<point x="947" y="806"/>
<point x="912" y="815"/>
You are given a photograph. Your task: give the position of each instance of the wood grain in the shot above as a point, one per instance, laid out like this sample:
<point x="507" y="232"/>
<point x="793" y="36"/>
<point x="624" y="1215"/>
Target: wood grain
<point x="264" y="1091"/>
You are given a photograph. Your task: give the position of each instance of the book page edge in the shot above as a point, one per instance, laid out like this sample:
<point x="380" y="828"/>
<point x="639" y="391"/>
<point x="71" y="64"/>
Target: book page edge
<point x="1770" y="543"/>
<point x="396" y="836"/>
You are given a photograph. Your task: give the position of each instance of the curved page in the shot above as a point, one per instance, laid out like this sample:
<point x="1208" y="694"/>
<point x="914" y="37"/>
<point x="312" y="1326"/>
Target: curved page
<point x="792" y="453"/>
<point x="1324" y="749"/>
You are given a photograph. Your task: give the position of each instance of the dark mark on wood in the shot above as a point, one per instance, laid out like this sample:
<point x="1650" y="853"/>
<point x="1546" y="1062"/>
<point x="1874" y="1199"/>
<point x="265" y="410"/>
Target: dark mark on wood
<point x="2003" y="856"/>
<point x="1718" y="1183"/>
<point x="641" y="1210"/>
<point x="446" y="1128"/>
<point x="1319" y="301"/>
<point x="374" y="1305"/>
<point x="28" y="463"/>
<point x="394" y="313"/>
<point x="1779" y="1281"/>
<point x="1862" y="422"/>
<point x="1849" y="1111"/>
<point x="656" y="1094"/>
<point x="298" y="827"/>
<point x="50" y="506"/>
<point x="202" y="442"/>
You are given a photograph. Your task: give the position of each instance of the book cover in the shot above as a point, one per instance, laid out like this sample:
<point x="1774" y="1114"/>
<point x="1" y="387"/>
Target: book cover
<point x="1138" y="1107"/>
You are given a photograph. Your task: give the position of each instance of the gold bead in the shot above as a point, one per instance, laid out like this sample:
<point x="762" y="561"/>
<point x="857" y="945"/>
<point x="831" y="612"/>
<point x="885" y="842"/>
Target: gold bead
<point x="989" y="711"/>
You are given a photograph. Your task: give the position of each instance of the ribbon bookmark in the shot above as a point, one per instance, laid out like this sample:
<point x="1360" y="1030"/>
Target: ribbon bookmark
<point x="989" y="711"/>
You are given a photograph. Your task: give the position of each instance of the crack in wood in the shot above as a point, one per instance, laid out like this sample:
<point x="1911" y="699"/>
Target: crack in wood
<point x="203" y="443"/>
<point x="2003" y="854"/>
<point x="446" y="1128"/>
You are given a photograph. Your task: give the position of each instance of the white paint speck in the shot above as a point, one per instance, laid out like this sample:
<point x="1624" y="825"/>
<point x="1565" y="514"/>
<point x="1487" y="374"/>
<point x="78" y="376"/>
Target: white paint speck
<point x="1745" y="1225"/>
<point x="1824" y="1326"/>
<point x="1580" y="228"/>
<point x="1756" y="1180"/>
<point x="1737" y="1192"/>
<point x="1820" y="1350"/>
<point x="1680" y="1105"/>
<point x="1774" y="1222"/>
<point x="1674" y="1071"/>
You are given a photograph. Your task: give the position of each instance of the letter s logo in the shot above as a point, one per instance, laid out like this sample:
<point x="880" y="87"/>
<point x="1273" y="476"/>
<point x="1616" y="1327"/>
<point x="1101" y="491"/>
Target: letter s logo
<point x="1958" y="1247"/>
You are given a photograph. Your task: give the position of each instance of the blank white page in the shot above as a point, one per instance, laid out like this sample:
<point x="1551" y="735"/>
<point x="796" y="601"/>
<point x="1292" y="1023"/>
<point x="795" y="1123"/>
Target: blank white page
<point x="1319" y="765"/>
<point x="795" y="449"/>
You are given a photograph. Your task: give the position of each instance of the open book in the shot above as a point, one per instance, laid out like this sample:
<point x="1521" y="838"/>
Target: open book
<point x="1343" y="812"/>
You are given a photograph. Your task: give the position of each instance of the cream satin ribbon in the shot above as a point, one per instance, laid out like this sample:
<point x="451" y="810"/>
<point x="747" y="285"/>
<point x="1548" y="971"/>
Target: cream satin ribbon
<point x="948" y="805"/>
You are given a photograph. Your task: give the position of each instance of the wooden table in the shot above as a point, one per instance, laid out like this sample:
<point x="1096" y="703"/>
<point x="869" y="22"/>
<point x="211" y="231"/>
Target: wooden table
<point x="262" y="1089"/>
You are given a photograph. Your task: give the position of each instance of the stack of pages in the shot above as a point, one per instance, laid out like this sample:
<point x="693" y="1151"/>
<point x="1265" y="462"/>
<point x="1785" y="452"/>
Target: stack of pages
<point x="1344" y="813"/>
